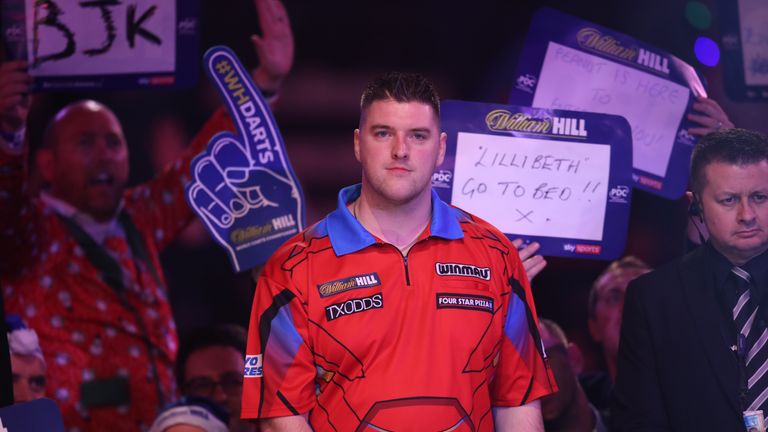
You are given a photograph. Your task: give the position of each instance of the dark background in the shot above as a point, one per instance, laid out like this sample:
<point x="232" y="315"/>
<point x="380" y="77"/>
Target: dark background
<point x="469" y="49"/>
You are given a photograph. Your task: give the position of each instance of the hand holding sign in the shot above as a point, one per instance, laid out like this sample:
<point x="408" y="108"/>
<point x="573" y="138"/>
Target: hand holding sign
<point x="710" y="117"/>
<point x="14" y="96"/>
<point x="571" y="64"/>
<point x="533" y="264"/>
<point x="243" y="186"/>
<point x="744" y="46"/>
<point x="103" y="44"/>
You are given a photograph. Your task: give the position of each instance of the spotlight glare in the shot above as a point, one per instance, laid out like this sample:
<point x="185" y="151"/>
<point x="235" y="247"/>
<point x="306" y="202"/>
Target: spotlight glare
<point x="707" y="51"/>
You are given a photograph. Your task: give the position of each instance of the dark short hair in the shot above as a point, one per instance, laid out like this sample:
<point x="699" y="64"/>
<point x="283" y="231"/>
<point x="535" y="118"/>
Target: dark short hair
<point x="229" y="335"/>
<point x="626" y="264"/>
<point x="401" y="87"/>
<point x="732" y="146"/>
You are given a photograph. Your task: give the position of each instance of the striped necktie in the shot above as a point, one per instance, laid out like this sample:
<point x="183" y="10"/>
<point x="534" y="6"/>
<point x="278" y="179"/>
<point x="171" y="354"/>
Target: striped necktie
<point x="755" y="336"/>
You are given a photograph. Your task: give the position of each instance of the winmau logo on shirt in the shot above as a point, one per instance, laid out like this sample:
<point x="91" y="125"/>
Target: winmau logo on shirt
<point x="353" y="282"/>
<point x="453" y="269"/>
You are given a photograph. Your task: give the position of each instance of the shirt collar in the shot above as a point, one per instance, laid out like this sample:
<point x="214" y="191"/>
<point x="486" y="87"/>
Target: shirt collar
<point x="720" y="265"/>
<point x="348" y="235"/>
<point x="757" y="267"/>
<point x="97" y="230"/>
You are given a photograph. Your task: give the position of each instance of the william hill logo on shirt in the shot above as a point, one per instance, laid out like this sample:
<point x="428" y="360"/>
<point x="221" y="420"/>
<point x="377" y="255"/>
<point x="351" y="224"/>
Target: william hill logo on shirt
<point x="453" y="269"/>
<point x="367" y="280"/>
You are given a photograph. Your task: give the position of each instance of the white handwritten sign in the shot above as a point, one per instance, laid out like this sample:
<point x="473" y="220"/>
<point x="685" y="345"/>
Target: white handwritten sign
<point x="753" y="20"/>
<point x="570" y="63"/>
<point x="533" y="187"/>
<point x="559" y="178"/>
<point x="574" y="80"/>
<point x="100" y="37"/>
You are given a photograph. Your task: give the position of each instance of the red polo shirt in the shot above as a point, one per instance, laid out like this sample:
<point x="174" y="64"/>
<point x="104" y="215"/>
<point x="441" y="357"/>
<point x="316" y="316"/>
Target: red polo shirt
<point x="347" y="328"/>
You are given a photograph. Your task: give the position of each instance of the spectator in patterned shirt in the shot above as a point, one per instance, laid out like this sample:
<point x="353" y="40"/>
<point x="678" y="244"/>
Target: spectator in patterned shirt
<point x="80" y="263"/>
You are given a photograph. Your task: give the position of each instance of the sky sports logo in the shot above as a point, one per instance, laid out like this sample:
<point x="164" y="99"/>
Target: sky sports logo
<point x="585" y="249"/>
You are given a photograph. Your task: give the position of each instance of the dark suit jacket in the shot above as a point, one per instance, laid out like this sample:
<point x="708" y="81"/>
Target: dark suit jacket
<point x="676" y="369"/>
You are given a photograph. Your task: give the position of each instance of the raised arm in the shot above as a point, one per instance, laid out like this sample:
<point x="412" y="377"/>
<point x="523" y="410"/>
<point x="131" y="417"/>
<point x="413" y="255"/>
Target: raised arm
<point x="14" y="108"/>
<point x="14" y="104"/>
<point x="274" y="47"/>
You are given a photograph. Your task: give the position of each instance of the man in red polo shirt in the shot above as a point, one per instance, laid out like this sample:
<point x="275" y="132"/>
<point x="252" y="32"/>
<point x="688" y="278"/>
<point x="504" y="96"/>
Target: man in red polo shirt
<point x="397" y="311"/>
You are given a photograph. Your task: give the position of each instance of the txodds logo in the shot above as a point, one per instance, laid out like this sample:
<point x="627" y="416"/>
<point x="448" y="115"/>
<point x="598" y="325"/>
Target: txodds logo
<point x="354" y="306"/>
<point x="254" y="366"/>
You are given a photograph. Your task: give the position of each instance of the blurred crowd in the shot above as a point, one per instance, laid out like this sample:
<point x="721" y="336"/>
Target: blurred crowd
<point x="92" y="310"/>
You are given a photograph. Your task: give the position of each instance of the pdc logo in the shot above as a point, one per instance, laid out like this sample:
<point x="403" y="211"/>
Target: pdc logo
<point x="442" y="179"/>
<point x="684" y="137"/>
<point x="254" y="366"/>
<point x="354" y="306"/>
<point x="526" y="82"/>
<point x="187" y="26"/>
<point x="14" y="33"/>
<point x="619" y="194"/>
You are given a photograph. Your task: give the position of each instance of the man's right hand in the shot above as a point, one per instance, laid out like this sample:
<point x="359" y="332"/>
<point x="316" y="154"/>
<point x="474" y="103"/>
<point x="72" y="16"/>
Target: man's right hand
<point x="15" y="98"/>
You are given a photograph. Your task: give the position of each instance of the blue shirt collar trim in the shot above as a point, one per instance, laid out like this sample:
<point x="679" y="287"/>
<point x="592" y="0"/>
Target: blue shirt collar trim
<point x="348" y="235"/>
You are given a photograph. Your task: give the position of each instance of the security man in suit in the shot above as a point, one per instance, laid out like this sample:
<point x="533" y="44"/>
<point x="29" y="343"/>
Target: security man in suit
<point x="693" y="352"/>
